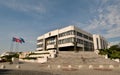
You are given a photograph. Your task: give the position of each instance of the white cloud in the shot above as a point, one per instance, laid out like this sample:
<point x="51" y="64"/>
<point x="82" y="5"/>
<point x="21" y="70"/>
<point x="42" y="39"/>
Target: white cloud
<point x="108" y="19"/>
<point x="24" y="6"/>
<point x="104" y="1"/>
<point x="114" y="43"/>
<point x="79" y="24"/>
<point x="113" y="33"/>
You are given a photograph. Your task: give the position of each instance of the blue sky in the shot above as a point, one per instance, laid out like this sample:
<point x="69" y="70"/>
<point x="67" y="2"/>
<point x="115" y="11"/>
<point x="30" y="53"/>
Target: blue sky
<point x="30" y="18"/>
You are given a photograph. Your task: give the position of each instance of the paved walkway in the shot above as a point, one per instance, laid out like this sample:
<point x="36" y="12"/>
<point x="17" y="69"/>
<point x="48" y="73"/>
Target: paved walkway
<point x="43" y="69"/>
<point x="58" y="72"/>
<point x="22" y="72"/>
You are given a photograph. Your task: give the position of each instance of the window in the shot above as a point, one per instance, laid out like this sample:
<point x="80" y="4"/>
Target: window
<point x="79" y="34"/>
<point x="85" y="36"/>
<point x="90" y="38"/>
<point x="40" y="45"/>
<point x="79" y="41"/>
<point x="51" y="41"/>
<point x="86" y="44"/>
<point x="67" y="40"/>
<point x="41" y="40"/>
<point x="71" y="32"/>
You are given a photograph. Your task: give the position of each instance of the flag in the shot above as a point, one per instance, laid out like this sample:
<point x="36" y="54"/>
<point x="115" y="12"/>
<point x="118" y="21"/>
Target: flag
<point x="18" y="40"/>
<point x="22" y="40"/>
<point x="14" y="39"/>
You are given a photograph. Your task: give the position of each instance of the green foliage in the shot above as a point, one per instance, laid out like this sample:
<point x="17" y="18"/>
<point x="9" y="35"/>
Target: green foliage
<point x="113" y="52"/>
<point x="103" y="51"/>
<point x="115" y="48"/>
<point x="8" y="58"/>
<point x="114" y="55"/>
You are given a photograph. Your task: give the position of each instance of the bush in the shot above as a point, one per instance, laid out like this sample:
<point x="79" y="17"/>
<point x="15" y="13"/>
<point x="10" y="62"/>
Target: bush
<point x="8" y="58"/>
<point x="113" y="52"/>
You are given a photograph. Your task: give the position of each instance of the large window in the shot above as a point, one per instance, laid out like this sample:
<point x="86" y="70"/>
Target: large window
<point x="90" y="38"/>
<point x="51" y="41"/>
<point x="85" y="36"/>
<point x="40" y="45"/>
<point x="79" y="41"/>
<point x="71" y="32"/>
<point x="86" y="43"/>
<point x="41" y="40"/>
<point x="67" y="40"/>
<point x="79" y="34"/>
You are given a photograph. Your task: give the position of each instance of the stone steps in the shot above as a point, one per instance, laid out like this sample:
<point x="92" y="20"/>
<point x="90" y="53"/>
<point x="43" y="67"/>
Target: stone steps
<point x="80" y="58"/>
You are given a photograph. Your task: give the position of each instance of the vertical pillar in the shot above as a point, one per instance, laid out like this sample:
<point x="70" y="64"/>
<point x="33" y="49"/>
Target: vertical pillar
<point x="75" y="41"/>
<point x="83" y="46"/>
<point x="57" y="43"/>
<point x="75" y="44"/>
<point x="44" y="44"/>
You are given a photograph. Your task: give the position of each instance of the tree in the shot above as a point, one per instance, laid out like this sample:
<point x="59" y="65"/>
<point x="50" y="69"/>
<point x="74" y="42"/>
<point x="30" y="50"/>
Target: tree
<point x="113" y="52"/>
<point x="103" y="51"/>
<point x="8" y="58"/>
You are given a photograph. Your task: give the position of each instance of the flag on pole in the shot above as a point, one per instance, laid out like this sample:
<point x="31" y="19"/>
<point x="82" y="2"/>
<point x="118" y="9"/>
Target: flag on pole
<point x="18" y="40"/>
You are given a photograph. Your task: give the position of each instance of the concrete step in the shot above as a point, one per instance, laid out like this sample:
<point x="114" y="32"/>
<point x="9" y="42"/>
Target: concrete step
<point x="80" y="58"/>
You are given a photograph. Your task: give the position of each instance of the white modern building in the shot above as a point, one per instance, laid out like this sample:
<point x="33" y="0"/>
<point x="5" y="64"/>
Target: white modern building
<point x="99" y="42"/>
<point x="70" y="38"/>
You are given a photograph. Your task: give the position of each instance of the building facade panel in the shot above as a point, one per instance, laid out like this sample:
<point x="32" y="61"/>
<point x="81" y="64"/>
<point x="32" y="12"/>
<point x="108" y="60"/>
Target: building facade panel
<point x="69" y="28"/>
<point x="99" y="42"/>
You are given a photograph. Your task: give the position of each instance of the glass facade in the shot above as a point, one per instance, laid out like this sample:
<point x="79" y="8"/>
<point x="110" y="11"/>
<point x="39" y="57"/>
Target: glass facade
<point x="79" y="34"/>
<point x="41" y="40"/>
<point x="51" y="40"/>
<point x="40" y="45"/>
<point x="67" y="40"/>
<point x="79" y="41"/>
<point x="71" y="32"/>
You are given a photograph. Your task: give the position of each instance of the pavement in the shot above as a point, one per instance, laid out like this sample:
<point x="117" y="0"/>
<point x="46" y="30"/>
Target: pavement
<point x="45" y="69"/>
<point x="22" y="72"/>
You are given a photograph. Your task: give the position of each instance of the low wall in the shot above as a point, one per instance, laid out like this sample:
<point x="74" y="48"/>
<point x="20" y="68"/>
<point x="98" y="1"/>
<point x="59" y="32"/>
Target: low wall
<point x="39" y="60"/>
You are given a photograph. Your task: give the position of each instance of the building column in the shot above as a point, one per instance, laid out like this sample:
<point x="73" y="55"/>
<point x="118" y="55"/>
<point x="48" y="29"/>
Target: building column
<point x="43" y="44"/>
<point x="57" y="46"/>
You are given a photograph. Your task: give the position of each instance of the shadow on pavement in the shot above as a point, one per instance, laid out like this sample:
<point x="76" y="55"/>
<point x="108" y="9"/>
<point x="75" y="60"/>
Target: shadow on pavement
<point x="22" y="72"/>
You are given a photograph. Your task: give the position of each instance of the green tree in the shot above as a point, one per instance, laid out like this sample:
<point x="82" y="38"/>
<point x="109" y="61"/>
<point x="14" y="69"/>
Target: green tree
<point x="103" y="51"/>
<point x="113" y="52"/>
<point x="8" y="58"/>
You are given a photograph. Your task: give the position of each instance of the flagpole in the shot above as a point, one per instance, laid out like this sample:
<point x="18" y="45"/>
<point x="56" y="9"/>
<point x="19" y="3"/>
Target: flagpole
<point x="16" y="49"/>
<point x="11" y="46"/>
<point x="17" y="42"/>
